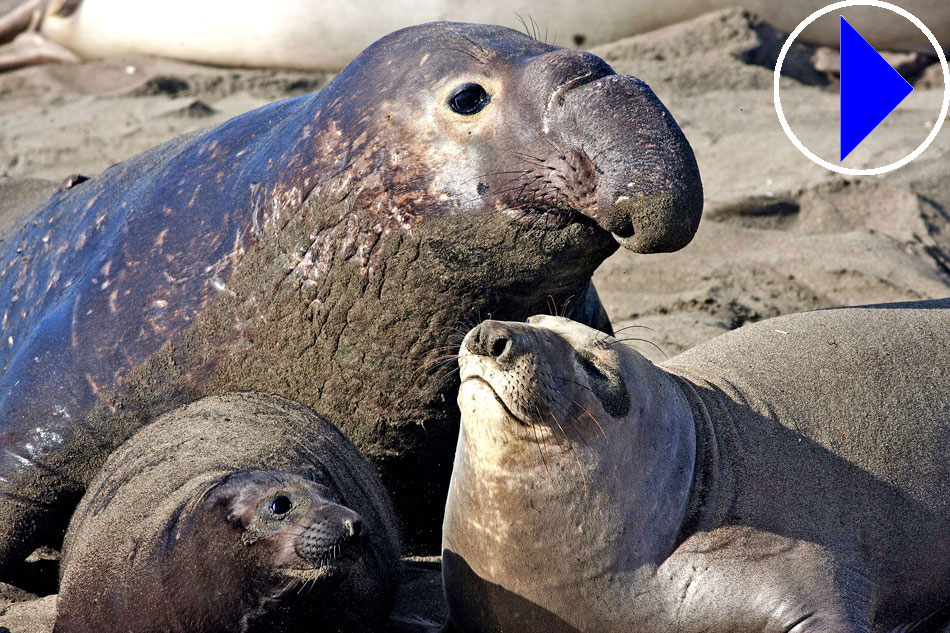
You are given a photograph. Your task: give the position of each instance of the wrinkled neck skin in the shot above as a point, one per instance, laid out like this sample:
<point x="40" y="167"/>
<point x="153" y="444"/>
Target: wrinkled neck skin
<point x="554" y="549"/>
<point x="363" y="341"/>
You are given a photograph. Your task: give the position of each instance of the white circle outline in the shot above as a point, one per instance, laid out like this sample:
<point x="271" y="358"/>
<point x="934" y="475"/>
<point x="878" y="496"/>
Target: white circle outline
<point x="850" y="171"/>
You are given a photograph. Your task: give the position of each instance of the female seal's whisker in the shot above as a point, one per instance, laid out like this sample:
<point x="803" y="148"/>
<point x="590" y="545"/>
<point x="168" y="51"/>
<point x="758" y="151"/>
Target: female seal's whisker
<point x="564" y="306"/>
<point x="542" y="446"/>
<point x="641" y="340"/>
<point x="442" y="380"/>
<point x="433" y="364"/>
<point x="590" y="415"/>
<point x="573" y="382"/>
<point x="632" y="326"/>
<point x="570" y="445"/>
<point x="570" y="419"/>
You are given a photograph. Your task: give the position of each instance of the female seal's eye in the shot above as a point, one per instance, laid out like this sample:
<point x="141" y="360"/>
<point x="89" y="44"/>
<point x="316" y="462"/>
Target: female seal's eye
<point x="280" y="504"/>
<point x="469" y="99"/>
<point x="592" y="369"/>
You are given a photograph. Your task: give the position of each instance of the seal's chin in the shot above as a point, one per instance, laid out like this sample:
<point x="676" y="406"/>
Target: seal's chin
<point x="311" y="574"/>
<point x="478" y="394"/>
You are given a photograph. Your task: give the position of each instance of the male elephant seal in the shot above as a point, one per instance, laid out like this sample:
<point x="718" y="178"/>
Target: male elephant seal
<point x="789" y="476"/>
<point x="327" y="248"/>
<point x="324" y="35"/>
<point x="241" y="512"/>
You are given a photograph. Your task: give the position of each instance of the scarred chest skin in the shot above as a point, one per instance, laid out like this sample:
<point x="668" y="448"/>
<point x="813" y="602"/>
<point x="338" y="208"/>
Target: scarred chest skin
<point x="326" y="248"/>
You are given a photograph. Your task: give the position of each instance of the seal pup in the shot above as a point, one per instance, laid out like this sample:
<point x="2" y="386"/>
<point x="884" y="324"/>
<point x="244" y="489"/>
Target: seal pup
<point x="789" y="476"/>
<point x="239" y="512"/>
<point x="327" y="248"/>
<point x="325" y="36"/>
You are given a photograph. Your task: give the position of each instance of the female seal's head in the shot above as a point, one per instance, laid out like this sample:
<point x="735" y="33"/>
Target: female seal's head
<point x="574" y="464"/>
<point x="549" y="379"/>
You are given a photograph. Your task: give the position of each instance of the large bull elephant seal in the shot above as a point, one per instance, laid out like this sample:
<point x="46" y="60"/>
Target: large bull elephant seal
<point x="240" y="512"/>
<point x="328" y="248"/>
<point x="787" y="477"/>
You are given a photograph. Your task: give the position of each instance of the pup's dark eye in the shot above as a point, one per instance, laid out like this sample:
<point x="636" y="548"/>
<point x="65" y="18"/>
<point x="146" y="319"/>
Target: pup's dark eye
<point x="280" y="504"/>
<point x="469" y="99"/>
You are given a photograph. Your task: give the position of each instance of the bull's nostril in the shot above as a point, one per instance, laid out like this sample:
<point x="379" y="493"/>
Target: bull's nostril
<point x="499" y="346"/>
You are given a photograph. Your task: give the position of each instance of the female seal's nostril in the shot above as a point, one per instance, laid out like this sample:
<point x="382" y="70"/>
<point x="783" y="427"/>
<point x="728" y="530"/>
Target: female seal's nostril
<point x="492" y="339"/>
<point x="499" y="346"/>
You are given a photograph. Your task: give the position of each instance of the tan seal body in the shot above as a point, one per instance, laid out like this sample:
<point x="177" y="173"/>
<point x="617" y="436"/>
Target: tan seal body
<point x="241" y="512"/>
<point x="325" y="36"/>
<point x="789" y="476"/>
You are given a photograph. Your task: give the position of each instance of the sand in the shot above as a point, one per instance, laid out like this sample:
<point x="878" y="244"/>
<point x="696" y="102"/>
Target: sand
<point x="779" y="235"/>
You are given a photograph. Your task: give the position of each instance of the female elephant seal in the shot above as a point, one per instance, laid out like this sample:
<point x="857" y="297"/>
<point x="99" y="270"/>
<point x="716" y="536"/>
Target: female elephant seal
<point x="326" y="248"/>
<point x="789" y="476"/>
<point x="241" y="512"/>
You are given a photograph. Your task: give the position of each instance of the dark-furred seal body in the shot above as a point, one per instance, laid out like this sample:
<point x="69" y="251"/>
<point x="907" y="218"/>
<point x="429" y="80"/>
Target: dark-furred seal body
<point x="787" y="477"/>
<point x="241" y="512"/>
<point x="327" y="248"/>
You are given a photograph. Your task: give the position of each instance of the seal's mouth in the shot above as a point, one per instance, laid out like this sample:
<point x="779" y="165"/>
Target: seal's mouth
<point x="557" y="189"/>
<point x="498" y="399"/>
<point x="333" y="562"/>
<point x="311" y="574"/>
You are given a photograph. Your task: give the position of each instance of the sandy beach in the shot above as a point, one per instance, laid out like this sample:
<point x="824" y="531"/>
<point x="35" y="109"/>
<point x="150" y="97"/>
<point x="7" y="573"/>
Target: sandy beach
<point x="779" y="235"/>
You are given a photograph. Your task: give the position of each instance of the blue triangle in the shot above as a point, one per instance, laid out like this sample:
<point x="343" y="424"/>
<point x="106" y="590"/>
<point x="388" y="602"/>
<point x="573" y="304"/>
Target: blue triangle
<point x="870" y="88"/>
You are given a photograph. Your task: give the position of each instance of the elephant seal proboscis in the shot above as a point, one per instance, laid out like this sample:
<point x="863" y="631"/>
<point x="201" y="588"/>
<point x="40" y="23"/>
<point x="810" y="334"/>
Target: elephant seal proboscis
<point x="328" y="248"/>
<point x="786" y="477"/>
<point x="325" y="36"/>
<point x="240" y="512"/>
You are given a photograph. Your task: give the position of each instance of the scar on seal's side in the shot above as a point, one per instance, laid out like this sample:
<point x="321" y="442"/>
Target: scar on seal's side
<point x="240" y="512"/>
<point x="787" y="477"/>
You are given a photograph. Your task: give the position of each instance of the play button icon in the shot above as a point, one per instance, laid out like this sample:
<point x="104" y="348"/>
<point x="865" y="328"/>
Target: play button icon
<point x="870" y="88"/>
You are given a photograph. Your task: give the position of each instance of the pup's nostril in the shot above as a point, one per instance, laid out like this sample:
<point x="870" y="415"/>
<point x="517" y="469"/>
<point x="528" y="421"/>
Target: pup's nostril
<point x="353" y="528"/>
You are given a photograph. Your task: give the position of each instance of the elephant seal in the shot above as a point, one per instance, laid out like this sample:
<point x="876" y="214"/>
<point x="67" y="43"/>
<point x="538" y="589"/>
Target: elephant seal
<point x="239" y="512"/>
<point x="788" y="476"/>
<point x="327" y="248"/>
<point x="325" y="36"/>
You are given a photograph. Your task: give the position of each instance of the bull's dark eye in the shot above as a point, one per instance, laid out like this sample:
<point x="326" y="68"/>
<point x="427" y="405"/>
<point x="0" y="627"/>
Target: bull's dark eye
<point x="469" y="99"/>
<point x="280" y="504"/>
